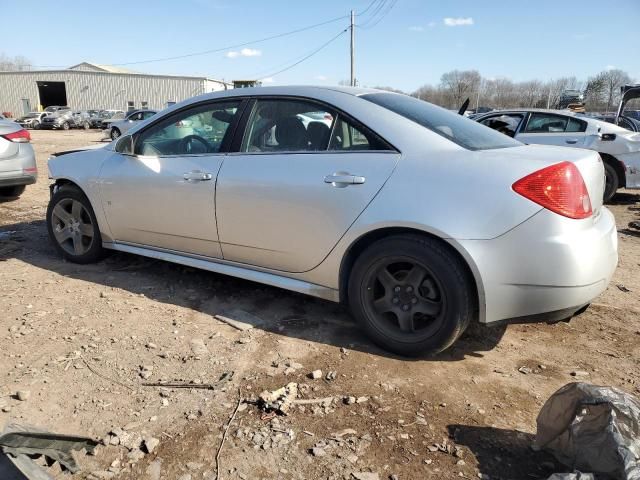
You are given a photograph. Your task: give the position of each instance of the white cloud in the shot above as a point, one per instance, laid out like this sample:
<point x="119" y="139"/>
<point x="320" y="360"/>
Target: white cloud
<point x="581" y="36"/>
<point x="610" y="67"/>
<point x="457" y="22"/>
<point x="431" y="24"/>
<point x="245" y="52"/>
<point x="268" y="80"/>
<point x="322" y="78"/>
<point x="416" y="29"/>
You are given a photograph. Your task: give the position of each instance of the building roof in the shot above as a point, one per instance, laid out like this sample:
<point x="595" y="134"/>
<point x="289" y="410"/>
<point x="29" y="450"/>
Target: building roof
<point x="96" y="67"/>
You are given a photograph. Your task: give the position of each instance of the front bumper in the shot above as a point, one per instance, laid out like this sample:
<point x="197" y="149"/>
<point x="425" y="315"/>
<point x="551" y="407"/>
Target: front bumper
<point x="546" y="267"/>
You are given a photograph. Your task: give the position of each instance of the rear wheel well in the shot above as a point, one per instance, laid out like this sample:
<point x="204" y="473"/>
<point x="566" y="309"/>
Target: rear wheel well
<point x="362" y="243"/>
<point x="617" y="165"/>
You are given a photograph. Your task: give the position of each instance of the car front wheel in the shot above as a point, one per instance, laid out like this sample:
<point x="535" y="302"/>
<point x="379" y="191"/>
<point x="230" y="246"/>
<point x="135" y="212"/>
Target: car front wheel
<point x="72" y="226"/>
<point x="66" y="126"/>
<point x="115" y="134"/>
<point x="411" y="294"/>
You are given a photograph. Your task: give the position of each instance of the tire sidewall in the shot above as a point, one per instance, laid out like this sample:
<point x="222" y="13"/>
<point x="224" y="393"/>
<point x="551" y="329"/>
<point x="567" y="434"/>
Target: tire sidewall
<point x="610" y="172"/>
<point x="96" y="252"/>
<point x="451" y="276"/>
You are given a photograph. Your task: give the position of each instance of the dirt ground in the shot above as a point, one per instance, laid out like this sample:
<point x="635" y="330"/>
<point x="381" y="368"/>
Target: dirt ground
<point x="79" y="341"/>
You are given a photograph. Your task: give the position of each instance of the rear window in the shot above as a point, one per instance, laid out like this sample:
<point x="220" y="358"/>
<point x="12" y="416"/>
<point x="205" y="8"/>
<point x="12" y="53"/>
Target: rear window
<point x="460" y="130"/>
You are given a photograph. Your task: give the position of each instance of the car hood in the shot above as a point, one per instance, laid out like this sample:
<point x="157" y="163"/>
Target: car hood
<point x="81" y="149"/>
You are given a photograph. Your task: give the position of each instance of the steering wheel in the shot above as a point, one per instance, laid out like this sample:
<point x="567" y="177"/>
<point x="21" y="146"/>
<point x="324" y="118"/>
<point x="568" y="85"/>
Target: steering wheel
<point x="185" y="144"/>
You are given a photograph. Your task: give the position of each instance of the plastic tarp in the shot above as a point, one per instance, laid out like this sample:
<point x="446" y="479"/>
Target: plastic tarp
<point x="592" y="429"/>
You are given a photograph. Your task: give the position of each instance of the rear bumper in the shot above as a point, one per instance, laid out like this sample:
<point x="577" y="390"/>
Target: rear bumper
<point x="546" y="267"/>
<point x="16" y="181"/>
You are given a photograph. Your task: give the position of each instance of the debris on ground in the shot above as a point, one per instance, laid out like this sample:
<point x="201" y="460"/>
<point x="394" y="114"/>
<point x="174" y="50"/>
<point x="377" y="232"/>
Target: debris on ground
<point x="622" y="288"/>
<point x="240" y="320"/>
<point x="592" y="429"/>
<point x="280" y="400"/>
<point x="21" y="443"/>
<point x="224" y="378"/>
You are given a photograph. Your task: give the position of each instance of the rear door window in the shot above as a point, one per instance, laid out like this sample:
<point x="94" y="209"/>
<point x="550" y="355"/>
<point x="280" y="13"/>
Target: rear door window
<point x="541" y="122"/>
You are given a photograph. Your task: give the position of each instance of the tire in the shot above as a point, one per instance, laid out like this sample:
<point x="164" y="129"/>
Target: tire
<point x="612" y="182"/>
<point x="115" y="133"/>
<point x="66" y="126"/>
<point x="86" y="125"/>
<point x="12" y="192"/>
<point x="35" y="125"/>
<point x="72" y="226"/>
<point x="411" y="295"/>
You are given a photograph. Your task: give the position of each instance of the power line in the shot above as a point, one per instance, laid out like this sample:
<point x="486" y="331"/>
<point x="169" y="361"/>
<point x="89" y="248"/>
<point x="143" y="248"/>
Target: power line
<point x="367" y="9"/>
<point x="306" y="57"/>
<point x="384" y="14"/>
<point x="375" y="12"/>
<point x="215" y="50"/>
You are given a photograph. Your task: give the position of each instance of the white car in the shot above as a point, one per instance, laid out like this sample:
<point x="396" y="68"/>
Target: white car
<point x="618" y="147"/>
<point x="114" y="128"/>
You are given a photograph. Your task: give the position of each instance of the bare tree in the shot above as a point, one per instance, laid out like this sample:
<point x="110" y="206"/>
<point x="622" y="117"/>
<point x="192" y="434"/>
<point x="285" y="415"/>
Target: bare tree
<point x="613" y="80"/>
<point x="460" y="85"/>
<point x="13" y="64"/>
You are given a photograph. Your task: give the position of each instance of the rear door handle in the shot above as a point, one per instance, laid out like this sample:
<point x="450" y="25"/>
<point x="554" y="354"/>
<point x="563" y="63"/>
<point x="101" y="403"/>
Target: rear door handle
<point x="571" y="141"/>
<point x="197" y="176"/>
<point x="342" y="180"/>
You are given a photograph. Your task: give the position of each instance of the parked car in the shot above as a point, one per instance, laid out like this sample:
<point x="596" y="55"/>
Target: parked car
<point x="115" y="128"/>
<point x="17" y="159"/>
<point x="104" y="116"/>
<point x="59" y="120"/>
<point x="56" y="108"/>
<point x="82" y="119"/>
<point x="414" y="216"/>
<point x="31" y="120"/>
<point x="619" y="148"/>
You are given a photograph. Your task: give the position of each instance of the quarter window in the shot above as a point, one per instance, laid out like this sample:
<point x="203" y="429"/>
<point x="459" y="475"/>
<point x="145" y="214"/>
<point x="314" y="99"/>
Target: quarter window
<point x="507" y="124"/>
<point x="346" y="136"/>
<point x="197" y="131"/>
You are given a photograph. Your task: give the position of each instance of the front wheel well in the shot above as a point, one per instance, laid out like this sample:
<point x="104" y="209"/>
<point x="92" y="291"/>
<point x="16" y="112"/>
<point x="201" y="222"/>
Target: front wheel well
<point x="617" y="165"/>
<point x="362" y="243"/>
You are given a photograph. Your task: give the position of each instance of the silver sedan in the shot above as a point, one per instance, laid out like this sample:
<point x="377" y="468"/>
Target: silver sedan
<point x="422" y="221"/>
<point x="17" y="159"/>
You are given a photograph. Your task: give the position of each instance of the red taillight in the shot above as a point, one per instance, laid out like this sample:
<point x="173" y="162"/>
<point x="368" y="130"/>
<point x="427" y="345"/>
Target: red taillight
<point x="559" y="188"/>
<point x="21" y="136"/>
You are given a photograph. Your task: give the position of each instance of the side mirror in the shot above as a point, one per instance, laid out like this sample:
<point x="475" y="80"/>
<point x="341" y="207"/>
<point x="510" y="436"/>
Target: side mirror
<point x="124" y="145"/>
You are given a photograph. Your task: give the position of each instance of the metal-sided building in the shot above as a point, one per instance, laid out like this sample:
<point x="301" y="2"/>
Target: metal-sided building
<point x="93" y="86"/>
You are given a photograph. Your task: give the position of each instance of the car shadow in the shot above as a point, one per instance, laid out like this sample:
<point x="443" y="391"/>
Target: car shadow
<point x="275" y="310"/>
<point x="624" y="198"/>
<point x="504" y="453"/>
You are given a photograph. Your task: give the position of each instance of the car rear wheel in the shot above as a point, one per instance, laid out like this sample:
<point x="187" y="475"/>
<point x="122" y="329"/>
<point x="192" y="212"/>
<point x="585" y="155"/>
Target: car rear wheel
<point x="611" y="182"/>
<point x="12" y="192"/>
<point x="86" y="125"/>
<point x="72" y="226"/>
<point x="115" y="133"/>
<point x="411" y="295"/>
<point x="66" y="126"/>
<point x="36" y="125"/>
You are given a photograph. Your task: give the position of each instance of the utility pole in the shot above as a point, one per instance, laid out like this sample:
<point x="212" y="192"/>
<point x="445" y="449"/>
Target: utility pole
<point x="353" y="38"/>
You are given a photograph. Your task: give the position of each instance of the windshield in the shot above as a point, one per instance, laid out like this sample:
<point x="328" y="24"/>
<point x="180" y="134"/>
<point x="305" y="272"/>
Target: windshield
<point x="456" y="128"/>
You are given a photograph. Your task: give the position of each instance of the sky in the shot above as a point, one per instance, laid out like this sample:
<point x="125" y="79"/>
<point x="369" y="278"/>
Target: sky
<point x="402" y="44"/>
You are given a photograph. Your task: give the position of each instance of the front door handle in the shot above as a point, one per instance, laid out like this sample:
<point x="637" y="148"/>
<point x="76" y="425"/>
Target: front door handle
<point x="571" y="141"/>
<point x="342" y="180"/>
<point x="197" y="176"/>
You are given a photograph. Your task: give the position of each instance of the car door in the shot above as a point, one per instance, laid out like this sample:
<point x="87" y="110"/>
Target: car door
<point x="162" y="195"/>
<point x="302" y="175"/>
<point x="553" y="129"/>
